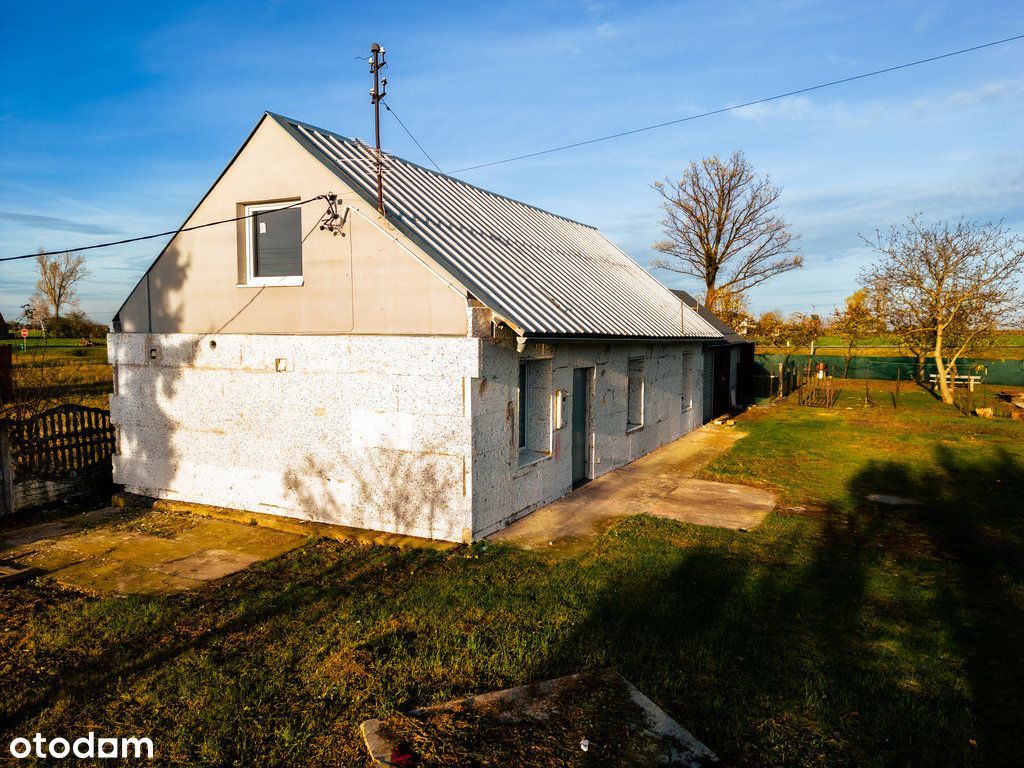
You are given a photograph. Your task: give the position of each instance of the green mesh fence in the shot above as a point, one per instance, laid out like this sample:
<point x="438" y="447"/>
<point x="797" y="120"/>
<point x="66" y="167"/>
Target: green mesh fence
<point x="1009" y="372"/>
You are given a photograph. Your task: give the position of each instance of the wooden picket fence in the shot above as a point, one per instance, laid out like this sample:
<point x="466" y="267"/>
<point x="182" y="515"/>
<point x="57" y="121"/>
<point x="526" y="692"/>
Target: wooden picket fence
<point x="65" y="441"/>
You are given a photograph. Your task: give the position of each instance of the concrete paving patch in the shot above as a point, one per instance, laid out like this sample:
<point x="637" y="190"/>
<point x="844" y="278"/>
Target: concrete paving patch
<point x="208" y="564"/>
<point x="130" y="551"/>
<point x="663" y="483"/>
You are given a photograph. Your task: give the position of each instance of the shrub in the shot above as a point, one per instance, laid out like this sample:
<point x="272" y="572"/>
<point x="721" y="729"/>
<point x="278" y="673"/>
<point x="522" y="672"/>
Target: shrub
<point x="74" y="325"/>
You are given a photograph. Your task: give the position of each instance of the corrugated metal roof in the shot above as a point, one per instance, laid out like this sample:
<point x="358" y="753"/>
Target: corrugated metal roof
<point x="549" y="275"/>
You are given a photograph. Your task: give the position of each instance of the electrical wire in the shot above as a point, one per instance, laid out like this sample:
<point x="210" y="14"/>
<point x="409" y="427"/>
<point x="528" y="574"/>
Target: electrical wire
<point x="150" y="237"/>
<point x="741" y="106"/>
<point x="561" y="148"/>
<point x="415" y="141"/>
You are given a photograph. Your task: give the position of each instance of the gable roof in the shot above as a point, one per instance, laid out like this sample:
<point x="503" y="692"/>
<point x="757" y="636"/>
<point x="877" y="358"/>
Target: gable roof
<point x="729" y="336"/>
<point x="550" y="276"/>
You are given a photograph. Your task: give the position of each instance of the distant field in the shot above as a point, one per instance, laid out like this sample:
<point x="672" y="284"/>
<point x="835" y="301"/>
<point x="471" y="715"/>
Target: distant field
<point x="1003" y="339"/>
<point x="80" y="372"/>
<point x="1009" y="347"/>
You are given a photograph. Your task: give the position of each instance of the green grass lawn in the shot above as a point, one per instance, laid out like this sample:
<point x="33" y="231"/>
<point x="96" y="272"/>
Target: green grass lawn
<point x="842" y="632"/>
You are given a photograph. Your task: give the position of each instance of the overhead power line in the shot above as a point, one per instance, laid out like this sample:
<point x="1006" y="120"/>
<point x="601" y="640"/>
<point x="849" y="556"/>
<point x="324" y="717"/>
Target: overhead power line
<point x="721" y="110"/>
<point x="158" y="234"/>
<point x="414" y="139"/>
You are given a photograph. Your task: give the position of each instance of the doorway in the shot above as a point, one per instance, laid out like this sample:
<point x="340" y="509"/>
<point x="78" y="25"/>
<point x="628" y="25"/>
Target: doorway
<point x="721" y="401"/>
<point x="581" y="378"/>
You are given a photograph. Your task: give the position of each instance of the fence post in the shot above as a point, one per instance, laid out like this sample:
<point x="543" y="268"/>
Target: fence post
<point x="6" y="472"/>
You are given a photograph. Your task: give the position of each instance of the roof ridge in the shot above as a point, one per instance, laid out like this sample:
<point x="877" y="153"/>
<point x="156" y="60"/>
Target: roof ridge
<point x="432" y="171"/>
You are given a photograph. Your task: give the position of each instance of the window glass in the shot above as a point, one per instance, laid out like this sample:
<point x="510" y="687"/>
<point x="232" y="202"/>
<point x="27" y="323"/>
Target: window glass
<point x="277" y="243"/>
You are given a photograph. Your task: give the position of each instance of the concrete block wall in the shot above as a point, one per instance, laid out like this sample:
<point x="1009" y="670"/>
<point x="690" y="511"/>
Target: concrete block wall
<point x="366" y="431"/>
<point x="502" y="489"/>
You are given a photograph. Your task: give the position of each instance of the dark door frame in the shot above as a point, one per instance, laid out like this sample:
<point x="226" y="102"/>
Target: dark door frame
<point x="582" y="407"/>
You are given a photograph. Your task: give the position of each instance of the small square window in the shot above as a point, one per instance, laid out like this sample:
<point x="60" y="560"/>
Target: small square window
<point x="273" y="245"/>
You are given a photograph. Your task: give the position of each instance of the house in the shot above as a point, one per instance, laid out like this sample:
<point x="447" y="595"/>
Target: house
<point x="436" y="371"/>
<point x="5" y="331"/>
<point x="728" y="364"/>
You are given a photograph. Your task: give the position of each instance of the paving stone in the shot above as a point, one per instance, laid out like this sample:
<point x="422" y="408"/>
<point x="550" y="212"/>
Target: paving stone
<point x="662" y="483"/>
<point x="117" y="576"/>
<point x="141" y="552"/>
<point x="208" y="564"/>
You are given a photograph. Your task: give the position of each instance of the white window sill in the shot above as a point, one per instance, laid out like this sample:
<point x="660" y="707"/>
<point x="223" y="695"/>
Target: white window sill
<point x="528" y="458"/>
<point x="272" y="282"/>
<point x="634" y="428"/>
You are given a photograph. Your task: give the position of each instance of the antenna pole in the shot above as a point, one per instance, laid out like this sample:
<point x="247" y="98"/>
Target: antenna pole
<point x="377" y="63"/>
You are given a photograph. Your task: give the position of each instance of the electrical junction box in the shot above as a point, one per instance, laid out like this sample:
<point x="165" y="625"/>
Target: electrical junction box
<point x="561" y="404"/>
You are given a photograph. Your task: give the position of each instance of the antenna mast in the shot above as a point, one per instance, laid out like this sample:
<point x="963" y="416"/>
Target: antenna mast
<point x="379" y="91"/>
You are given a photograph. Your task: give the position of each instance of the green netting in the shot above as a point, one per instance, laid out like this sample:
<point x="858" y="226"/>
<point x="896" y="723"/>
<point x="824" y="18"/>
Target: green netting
<point x="1010" y="372"/>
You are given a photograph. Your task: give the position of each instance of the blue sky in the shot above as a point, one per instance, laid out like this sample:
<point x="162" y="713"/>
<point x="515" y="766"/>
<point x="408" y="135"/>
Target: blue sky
<point x="116" y="118"/>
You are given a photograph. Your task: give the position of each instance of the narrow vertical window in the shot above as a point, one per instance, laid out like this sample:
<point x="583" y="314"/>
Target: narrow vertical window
<point x="635" y="394"/>
<point x="523" y="385"/>
<point x="687" y="381"/>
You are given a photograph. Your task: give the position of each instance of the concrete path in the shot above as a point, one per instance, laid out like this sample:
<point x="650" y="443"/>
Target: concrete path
<point x="662" y="483"/>
<point x="140" y="552"/>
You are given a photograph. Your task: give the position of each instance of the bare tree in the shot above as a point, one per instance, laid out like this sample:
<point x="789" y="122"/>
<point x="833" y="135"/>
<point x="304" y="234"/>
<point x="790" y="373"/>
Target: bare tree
<point x="947" y="285"/>
<point x="36" y="312"/>
<point x="58" y="275"/>
<point x="722" y="228"/>
<point x="859" y="317"/>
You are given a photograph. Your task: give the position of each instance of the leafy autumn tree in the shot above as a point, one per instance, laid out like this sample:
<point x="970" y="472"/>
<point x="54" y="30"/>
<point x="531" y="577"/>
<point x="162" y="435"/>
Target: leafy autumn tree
<point x="768" y="327"/>
<point x="58" y="276"/>
<point x="947" y="285"/>
<point x="723" y="229"/>
<point x="858" y="319"/>
<point x="733" y="309"/>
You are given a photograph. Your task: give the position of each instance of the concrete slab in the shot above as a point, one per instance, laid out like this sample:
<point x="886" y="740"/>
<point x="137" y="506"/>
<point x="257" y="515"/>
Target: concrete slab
<point x="663" y="483"/>
<point x="130" y="551"/>
<point x="208" y="565"/>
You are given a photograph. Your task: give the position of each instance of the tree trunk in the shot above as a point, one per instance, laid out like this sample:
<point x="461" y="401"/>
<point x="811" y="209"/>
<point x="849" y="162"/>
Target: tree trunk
<point x="945" y="392"/>
<point x="710" y="295"/>
<point x="849" y="356"/>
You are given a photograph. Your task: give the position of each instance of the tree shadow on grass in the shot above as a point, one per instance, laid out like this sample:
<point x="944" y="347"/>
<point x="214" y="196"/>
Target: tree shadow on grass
<point x="251" y="609"/>
<point x="884" y="636"/>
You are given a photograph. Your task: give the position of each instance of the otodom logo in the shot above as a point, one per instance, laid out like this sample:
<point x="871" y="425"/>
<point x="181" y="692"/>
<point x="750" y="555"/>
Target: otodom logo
<point x="88" y="746"/>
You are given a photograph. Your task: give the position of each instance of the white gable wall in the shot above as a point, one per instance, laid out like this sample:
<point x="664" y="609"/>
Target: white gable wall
<point x="364" y="431"/>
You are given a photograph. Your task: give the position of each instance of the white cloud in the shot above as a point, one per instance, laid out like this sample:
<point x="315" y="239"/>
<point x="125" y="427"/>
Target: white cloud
<point x="607" y="30"/>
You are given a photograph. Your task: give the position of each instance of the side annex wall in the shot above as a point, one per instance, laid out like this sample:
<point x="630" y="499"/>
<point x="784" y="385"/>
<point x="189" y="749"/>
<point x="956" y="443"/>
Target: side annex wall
<point x="502" y="489"/>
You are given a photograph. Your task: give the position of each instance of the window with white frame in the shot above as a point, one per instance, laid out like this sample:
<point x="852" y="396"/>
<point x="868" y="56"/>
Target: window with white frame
<point x="687" y="381"/>
<point x="635" y="394"/>
<point x="273" y="244"/>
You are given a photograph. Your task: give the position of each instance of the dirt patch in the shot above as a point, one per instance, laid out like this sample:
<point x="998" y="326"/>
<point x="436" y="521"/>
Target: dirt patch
<point x="580" y="720"/>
